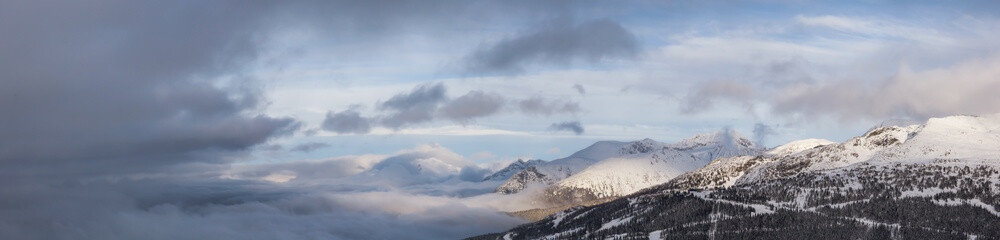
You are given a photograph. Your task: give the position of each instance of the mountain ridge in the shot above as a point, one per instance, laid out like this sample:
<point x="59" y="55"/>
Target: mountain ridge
<point x="940" y="179"/>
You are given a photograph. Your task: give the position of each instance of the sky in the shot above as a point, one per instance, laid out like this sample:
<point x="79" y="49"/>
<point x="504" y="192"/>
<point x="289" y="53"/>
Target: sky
<point x="230" y="118"/>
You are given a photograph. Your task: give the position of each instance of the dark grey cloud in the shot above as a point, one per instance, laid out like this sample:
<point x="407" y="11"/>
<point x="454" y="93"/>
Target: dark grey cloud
<point x="573" y="126"/>
<point x="560" y="43"/>
<point x="543" y="106"/>
<point x="472" y="105"/>
<point x="416" y="106"/>
<point x="310" y="146"/>
<point x="106" y="87"/>
<point x="579" y="89"/>
<point x="115" y="124"/>
<point x="347" y="121"/>
<point x="421" y="95"/>
<point x="429" y="102"/>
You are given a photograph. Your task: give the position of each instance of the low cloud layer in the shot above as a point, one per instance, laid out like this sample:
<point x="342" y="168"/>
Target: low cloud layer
<point x="560" y="43"/>
<point x="429" y="102"/>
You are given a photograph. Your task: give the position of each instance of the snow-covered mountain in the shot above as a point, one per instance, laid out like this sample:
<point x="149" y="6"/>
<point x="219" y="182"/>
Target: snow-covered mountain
<point x="798" y="146"/>
<point x="937" y="180"/>
<point x="646" y="163"/>
<point x="556" y="170"/>
<point x="511" y="169"/>
<point x="723" y="172"/>
<point x="422" y="165"/>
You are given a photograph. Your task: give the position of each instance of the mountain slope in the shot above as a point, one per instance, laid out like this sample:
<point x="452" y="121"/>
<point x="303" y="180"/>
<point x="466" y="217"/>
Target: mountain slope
<point x="646" y="163"/>
<point x="724" y="172"/>
<point x="798" y="146"/>
<point x="939" y="180"/>
<point x="556" y="170"/>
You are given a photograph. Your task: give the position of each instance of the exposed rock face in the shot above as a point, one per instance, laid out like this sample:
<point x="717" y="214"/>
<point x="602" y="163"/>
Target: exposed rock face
<point x="521" y="180"/>
<point x="510" y="170"/>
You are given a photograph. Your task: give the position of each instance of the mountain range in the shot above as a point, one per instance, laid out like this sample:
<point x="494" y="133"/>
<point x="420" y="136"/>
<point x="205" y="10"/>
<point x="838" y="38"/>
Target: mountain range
<point x="935" y="180"/>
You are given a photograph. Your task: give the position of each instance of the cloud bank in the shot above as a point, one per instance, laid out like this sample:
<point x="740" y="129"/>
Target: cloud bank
<point x="560" y="43"/>
<point x="429" y="102"/>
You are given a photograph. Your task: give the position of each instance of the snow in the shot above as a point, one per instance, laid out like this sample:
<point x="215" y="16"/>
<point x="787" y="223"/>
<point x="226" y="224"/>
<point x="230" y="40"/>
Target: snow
<point x="559" y="217"/>
<point x="798" y="146"/>
<point x="563" y="233"/>
<point x="646" y="163"/>
<point x="655" y="235"/>
<point x="511" y="169"/>
<point x="614" y="223"/>
<point x="927" y="192"/>
<point x="556" y="170"/>
<point x="616" y="236"/>
<point x="973" y="202"/>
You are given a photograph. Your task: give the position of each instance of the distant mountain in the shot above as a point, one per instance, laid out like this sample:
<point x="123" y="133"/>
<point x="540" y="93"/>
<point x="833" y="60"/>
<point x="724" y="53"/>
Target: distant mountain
<point x="423" y="165"/>
<point x="937" y="180"/>
<point x="511" y="169"/>
<point x="556" y="170"/>
<point x="646" y="163"/>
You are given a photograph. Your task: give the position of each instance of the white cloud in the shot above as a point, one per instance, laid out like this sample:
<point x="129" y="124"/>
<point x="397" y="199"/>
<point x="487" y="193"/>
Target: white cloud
<point x="875" y="27"/>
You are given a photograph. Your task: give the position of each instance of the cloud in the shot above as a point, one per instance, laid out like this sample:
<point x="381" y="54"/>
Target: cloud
<point x="237" y="209"/>
<point x="309" y="146"/>
<point x="472" y="105"/>
<point x="579" y="89"/>
<point x="558" y="44"/>
<point x="966" y="87"/>
<point x="875" y="27"/>
<point x="761" y="132"/>
<point x="543" y="106"/>
<point x="429" y="102"/>
<point x="553" y="151"/>
<point x="306" y="170"/>
<point x="422" y="95"/>
<point x="704" y="95"/>
<point x="417" y="106"/>
<point x="347" y="121"/>
<point x="92" y="88"/>
<point x="121" y="120"/>
<point x="574" y="127"/>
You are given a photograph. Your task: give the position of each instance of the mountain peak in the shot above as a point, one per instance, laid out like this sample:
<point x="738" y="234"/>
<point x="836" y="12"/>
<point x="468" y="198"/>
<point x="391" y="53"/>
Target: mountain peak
<point x="726" y="138"/>
<point x="798" y="146"/>
<point x="642" y="146"/>
<point x="511" y="169"/>
<point x="896" y="122"/>
<point x="599" y="150"/>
